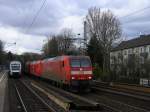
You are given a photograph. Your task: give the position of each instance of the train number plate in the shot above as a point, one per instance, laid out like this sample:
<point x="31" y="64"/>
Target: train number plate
<point x="81" y="72"/>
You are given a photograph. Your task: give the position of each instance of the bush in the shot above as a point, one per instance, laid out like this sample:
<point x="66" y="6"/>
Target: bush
<point x="106" y="77"/>
<point x="99" y="74"/>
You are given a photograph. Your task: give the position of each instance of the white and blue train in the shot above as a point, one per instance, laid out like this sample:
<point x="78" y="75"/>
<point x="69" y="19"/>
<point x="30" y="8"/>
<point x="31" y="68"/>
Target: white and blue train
<point x="15" y="69"/>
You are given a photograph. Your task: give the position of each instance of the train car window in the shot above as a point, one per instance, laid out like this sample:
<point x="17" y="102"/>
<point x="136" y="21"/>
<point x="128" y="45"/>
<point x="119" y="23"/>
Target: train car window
<point x="75" y="63"/>
<point x="85" y="63"/>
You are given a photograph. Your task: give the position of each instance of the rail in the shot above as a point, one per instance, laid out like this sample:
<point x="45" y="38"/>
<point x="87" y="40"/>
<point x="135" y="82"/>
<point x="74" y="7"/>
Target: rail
<point x="67" y="100"/>
<point x="133" y="100"/>
<point x="30" y="100"/>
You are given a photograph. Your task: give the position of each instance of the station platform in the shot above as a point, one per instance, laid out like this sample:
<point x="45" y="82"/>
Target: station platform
<point x="3" y="91"/>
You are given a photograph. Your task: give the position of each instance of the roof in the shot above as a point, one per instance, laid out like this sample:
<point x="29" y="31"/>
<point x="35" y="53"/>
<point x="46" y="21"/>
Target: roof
<point x="65" y="56"/>
<point x="15" y="62"/>
<point x="136" y="42"/>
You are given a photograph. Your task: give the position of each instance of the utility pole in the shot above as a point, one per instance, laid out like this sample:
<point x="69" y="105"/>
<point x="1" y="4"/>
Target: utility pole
<point x="85" y="36"/>
<point x="82" y="44"/>
<point x="47" y="44"/>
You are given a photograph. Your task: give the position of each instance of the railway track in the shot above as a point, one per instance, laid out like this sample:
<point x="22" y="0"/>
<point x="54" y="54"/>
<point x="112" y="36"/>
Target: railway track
<point x="28" y="100"/>
<point x="66" y="100"/>
<point x="109" y="102"/>
<point x="123" y="90"/>
<point x="98" y="100"/>
<point x="134" y="88"/>
<point x="124" y="86"/>
<point x="14" y="103"/>
<point x="115" y="104"/>
<point x="124" y="99"/>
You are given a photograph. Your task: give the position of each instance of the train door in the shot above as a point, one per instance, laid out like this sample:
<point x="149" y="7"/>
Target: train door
<point x="62" y="71"/>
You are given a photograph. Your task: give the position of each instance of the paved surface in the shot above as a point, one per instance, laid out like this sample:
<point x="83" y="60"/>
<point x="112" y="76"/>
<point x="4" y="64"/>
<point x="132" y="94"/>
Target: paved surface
<point x="3" y="84"/>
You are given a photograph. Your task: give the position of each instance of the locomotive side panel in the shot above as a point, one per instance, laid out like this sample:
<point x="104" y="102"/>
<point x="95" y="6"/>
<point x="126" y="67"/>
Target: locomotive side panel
<point x="66" y="70"/>
<point x="38" y="68"/>
<point x="56" y="70"/>
<point x="50" y="70"/>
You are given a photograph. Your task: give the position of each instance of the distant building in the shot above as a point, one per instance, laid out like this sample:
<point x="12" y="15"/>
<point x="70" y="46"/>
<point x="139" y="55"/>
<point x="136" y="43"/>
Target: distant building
<point x="126" y="50"/>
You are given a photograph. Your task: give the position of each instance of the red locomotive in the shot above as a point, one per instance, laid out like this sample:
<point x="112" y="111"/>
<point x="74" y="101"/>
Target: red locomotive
<point x="71" y="71"/>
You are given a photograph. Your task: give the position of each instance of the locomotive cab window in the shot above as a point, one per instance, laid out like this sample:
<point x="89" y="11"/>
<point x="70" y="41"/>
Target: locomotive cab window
<point x="85" y="63"/>
<point x="75" y="63"/>
<point x="80" y="63"/>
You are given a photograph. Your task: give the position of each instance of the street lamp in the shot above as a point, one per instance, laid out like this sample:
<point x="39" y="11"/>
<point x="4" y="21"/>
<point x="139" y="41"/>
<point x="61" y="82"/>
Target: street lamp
<point x="9" y="44"/>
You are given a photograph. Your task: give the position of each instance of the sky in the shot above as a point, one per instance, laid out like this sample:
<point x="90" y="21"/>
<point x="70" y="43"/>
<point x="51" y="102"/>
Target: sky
<point x="17" y="16"/>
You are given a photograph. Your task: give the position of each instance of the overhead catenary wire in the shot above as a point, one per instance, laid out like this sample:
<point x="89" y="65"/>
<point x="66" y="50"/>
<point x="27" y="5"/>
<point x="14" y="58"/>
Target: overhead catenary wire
<point x="24" y="23"/>
<point x="26" y="16"/>
<point x="135" y="12"/>
<point x="36" y="15"/>
<point x="132" y="14"/>
<point x="27" y="28"/>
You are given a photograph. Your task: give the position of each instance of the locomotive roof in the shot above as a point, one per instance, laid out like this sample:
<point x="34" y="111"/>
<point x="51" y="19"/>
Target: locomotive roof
<point x="67" y="56"/>
<point x="79" y="56"/>
<point x="15" y="62"/>
<point x="60" y="57"/>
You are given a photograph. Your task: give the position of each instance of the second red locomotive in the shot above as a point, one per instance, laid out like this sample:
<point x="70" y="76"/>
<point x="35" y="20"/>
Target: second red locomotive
<point x="71" y="71"/>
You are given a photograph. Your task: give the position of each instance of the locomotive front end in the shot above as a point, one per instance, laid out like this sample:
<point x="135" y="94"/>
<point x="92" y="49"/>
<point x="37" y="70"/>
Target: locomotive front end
<point x="81" y="73"/>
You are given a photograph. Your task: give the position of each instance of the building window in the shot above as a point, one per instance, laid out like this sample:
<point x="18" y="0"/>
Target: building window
<point x="132" y="50"/>
<point x="144" y="48"/>
<point x="141" y="49"/>
<point x="142" y="60"/>
<point x="129" y="51"/>
<point x="137" y="49"/>
<point x="125" y="52"/>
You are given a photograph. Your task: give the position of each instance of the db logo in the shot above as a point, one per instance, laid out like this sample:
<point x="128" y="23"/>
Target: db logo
<point x="81" y="69"/>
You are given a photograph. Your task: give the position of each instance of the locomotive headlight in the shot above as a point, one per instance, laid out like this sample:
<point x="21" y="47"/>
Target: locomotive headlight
<point x="89" y="77"/>
<point x="72" y="77"/>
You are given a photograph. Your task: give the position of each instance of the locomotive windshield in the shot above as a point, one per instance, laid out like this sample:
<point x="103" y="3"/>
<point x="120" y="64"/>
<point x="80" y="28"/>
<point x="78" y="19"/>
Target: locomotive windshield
<point x="15" y="66"/>
<point x="85" y="63"/>
<point x="80" y="63"/>
<point x="75" y="63"/>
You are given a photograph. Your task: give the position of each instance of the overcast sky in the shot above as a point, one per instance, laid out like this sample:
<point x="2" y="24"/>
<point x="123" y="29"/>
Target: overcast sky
<point x="17" y="15"/>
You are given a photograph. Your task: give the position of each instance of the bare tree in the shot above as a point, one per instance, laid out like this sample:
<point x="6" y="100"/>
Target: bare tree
<point x="1" y="51"/>
<point x="29" y="56"/>
<point x="60" y="44"/>
<point x="50" y="48"/>
<point x="65" y="40"/>
<point x="106" y="27"/>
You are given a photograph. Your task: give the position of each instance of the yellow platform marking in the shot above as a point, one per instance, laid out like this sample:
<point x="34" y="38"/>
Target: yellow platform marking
<point x="64" y="105"/>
